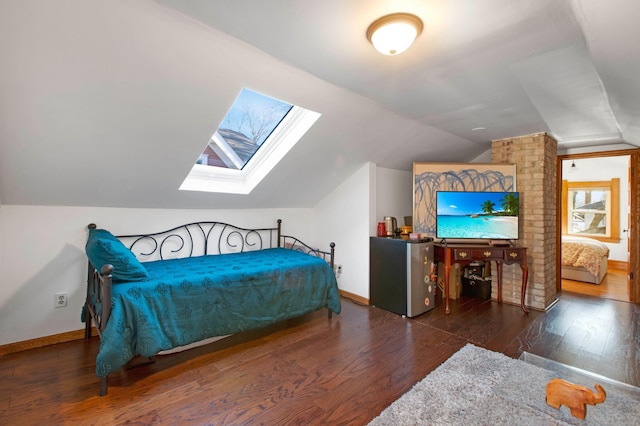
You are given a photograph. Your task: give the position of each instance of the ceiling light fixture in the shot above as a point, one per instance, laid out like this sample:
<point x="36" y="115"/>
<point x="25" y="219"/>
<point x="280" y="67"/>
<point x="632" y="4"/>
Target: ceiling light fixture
<point x="395" y="33"/>
<point x="573" y="164"/>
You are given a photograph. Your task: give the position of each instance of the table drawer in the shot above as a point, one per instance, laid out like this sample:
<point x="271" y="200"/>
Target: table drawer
<point x="488" y="253"/>
<point x="514" y="254"/>
<point x="462" y="254"/>
<point x="478" y="254"/>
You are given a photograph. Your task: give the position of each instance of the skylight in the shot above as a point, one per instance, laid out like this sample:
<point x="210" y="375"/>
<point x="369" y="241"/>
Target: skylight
<point x="254" y="136"/>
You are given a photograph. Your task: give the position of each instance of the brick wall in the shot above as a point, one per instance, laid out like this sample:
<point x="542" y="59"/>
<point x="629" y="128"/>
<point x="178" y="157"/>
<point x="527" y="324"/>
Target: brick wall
<point x="536" y="176"/>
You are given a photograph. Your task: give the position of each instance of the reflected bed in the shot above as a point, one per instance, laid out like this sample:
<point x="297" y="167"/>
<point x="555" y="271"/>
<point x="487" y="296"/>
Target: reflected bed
<point x="584" y="259"/>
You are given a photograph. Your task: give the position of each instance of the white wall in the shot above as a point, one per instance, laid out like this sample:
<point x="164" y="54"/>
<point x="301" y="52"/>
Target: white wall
<point x="485" y="157"/>
<point x="350" y="215"/>
<point x="347" y="216"/>
<point x="600" y="169"/>
<point x="394" y="195"/>
<point x="42" y="253"/>
<point x="596" y="148"/>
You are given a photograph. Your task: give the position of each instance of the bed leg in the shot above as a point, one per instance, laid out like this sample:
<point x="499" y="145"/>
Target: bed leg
<point x="87" y="323"/>
<point x="104" y="385"/>
<point x="329" y="313"/>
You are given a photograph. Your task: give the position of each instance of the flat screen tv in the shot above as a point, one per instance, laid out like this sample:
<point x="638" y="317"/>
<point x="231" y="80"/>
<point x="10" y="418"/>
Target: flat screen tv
<point x="468" y="215"/>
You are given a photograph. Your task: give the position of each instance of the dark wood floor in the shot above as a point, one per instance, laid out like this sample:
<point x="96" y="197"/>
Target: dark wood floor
<point x="312" y="370"/>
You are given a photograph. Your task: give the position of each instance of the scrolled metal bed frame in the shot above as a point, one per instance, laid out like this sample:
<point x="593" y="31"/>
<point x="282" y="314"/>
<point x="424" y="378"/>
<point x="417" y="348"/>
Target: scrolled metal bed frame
<point x="192" y="239"/>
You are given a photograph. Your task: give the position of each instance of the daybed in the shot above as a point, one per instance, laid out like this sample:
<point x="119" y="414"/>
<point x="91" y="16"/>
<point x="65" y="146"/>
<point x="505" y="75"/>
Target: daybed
<point x="584" y="259"/>
<point x="149" y="293"/>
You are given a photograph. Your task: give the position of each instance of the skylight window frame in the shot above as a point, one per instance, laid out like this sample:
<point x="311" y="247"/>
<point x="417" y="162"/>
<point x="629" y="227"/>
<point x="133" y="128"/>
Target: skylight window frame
<point x="242" y="181"/>
<point x="225" y="152"/>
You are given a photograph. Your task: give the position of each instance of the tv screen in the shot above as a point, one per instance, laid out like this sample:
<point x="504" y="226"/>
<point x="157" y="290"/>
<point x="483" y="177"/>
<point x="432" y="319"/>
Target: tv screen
<point x="477" y="215"/>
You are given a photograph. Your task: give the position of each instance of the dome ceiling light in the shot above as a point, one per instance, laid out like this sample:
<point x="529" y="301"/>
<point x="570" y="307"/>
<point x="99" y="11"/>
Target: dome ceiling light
<point x="395" y="33"/>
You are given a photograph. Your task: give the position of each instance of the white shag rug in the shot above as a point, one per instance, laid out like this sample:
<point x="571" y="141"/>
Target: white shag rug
<point x="480" y="387"/>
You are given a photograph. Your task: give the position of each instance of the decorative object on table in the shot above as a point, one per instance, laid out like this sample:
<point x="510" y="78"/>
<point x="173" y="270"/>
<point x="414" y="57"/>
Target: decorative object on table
<point x="575" y="397"/>
<point x="408" y="221"/>
<point x="405" y="231"/>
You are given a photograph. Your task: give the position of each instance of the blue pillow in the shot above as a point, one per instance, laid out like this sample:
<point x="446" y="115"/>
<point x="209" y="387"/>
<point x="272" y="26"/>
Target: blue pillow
<point x="103" y="247"/>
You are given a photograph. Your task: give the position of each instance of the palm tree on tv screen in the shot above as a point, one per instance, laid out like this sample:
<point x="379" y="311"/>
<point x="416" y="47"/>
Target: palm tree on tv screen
<point x="488" y="206"/>
<point x="510" y="204"/>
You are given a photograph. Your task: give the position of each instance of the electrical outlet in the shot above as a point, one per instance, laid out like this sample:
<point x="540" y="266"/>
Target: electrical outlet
<point x="338" y="269"/>
<point x="61" y="300"/>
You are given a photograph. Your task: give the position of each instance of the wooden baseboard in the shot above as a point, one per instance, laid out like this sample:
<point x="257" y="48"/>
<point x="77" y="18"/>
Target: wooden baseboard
<point x="39" y="342"/>
<point x="79" y="334"/>
<point x="617" y="265"/>
<point x="354" y="297"/>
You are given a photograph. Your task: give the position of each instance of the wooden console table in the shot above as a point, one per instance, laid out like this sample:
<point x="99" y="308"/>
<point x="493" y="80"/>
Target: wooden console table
<point x="465" y="254"/>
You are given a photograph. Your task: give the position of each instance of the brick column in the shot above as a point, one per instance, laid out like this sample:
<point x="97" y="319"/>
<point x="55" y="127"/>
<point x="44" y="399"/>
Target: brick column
<point x="536" y="175"/>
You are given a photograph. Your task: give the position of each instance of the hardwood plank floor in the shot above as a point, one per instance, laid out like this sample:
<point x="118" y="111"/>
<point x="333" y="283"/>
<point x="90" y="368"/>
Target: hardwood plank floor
<point x="613" y="286"/>
<point x="312" y="370"/>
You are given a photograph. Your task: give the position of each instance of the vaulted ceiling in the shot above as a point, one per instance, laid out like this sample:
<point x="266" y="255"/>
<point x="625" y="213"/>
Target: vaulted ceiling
<point x="110" y="103"/>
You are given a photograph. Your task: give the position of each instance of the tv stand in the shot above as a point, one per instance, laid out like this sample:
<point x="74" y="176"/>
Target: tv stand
<point x="465" y="254"/>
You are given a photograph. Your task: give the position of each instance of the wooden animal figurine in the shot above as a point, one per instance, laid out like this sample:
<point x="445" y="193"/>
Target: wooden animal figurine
<point x="575" y="397"/>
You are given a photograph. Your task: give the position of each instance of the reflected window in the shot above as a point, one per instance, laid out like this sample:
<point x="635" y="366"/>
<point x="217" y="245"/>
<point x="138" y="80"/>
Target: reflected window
<point x="591" y="209"/>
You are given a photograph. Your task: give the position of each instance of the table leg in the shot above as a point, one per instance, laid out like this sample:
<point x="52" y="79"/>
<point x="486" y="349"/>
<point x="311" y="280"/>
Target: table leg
<point x="525" y="277"/>
<point x="499" y="271"/>
<point x="447" y="269"/>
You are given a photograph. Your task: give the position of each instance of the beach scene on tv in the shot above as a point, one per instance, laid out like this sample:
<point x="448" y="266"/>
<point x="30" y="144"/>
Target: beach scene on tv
<point x="477" y="215"/>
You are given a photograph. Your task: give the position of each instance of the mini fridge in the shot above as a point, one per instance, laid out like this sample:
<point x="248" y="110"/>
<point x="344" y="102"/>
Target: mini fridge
<point x="402" y="275"/>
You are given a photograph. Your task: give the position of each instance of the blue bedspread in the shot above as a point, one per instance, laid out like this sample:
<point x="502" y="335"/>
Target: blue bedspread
<point x="187" y="300"/>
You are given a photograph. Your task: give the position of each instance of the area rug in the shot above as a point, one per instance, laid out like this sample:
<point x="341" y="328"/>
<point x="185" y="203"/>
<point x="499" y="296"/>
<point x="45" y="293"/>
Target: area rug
<point x="480" y="387"/>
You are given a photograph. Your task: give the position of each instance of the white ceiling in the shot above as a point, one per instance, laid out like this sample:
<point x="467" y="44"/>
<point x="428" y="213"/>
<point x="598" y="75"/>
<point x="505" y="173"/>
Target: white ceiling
<point x="110" y="103"/>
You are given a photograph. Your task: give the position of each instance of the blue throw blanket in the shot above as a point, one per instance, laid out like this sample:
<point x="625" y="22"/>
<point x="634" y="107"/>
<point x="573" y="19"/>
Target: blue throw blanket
<point x="191" y="299"/>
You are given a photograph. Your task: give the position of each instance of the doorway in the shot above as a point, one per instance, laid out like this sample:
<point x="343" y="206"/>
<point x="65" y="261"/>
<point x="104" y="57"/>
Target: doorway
<point x="586" y="192"/>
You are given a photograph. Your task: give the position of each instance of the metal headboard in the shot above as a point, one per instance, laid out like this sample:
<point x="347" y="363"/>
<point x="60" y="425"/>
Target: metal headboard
<point x="200" y="238"/>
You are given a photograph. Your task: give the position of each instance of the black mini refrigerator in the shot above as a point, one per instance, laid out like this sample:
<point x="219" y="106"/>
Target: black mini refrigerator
<point x="402" y="275"/>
